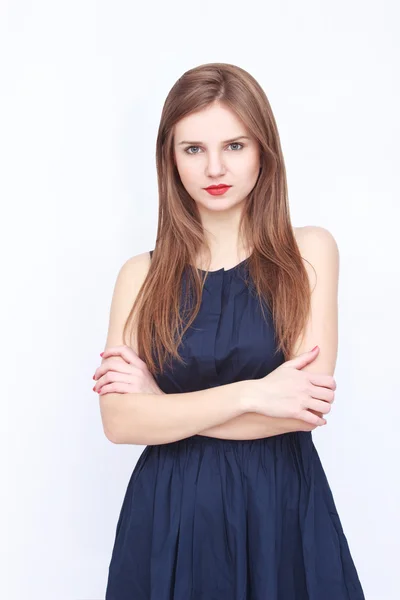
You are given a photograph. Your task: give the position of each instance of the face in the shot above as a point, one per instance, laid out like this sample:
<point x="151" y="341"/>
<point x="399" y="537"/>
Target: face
<point x="211" y="147"/>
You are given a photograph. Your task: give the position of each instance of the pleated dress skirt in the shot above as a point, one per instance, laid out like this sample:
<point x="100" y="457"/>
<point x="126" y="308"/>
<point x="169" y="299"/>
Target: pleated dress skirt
<point x="211" y="519"/>
<point x="206" y="518"/>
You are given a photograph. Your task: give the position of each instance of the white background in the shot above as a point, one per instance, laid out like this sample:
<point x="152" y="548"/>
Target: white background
<point x="82" y="88"/>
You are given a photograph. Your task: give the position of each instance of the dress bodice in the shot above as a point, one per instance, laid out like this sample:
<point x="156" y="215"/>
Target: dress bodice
<point x="228" y="341"/>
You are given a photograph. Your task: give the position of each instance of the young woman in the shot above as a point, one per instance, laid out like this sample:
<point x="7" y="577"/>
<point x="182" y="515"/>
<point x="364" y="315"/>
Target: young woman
<point x="228" y="500"/>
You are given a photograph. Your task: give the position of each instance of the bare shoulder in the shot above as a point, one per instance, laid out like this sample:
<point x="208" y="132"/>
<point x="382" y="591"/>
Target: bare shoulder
<point x="319" y="250"/>
<point x="128" y="282"/>
<point x="317" y="246"/>
<point x="137" y="266"/>
<point x="314" y="235"/>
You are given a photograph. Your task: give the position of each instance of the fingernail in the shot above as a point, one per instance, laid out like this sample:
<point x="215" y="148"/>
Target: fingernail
<point x="94" y="377"/>
<point x="101" y="353"/>
<point x="315" y="347"/>
<point x="94" y="388"/>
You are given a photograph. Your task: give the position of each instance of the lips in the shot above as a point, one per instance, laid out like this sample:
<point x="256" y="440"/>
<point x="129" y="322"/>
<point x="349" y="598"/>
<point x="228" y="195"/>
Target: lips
<point x="217" y="187"/>
<point x="217" y="190"/>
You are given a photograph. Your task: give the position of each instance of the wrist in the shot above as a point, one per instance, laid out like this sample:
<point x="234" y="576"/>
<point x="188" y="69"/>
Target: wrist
<point x="247" y="396"/>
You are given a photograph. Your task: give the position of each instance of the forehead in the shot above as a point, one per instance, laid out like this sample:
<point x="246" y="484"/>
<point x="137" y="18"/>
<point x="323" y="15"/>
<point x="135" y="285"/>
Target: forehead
<point x="213" y="123"/>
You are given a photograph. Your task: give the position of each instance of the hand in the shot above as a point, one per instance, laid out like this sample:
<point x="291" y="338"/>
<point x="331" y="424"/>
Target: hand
<point x="290" y="392"/>
<point x="123" y="372"/>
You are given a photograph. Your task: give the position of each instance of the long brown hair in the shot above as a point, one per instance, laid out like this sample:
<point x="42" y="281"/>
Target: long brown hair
<point x="158" y="316"/>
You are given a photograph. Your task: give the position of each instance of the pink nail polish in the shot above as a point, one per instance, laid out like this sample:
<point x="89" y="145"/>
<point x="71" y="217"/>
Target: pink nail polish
<point x="101" y="353"/>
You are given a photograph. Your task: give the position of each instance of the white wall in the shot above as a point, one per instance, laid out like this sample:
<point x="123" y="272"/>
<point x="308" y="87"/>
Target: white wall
<point x="83" y="85"/>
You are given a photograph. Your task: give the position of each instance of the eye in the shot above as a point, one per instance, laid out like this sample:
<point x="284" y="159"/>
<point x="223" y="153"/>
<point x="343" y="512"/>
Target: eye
<point x="237" y="144"/>
<point x="232" y="144"/>
<point x="190" y="147"/>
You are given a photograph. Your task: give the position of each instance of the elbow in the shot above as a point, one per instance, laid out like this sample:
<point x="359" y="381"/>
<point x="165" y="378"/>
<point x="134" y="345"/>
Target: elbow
<point x="110" y="409"/>
<point x="122" y="423"/>
<point x="117" y="436"/>
<point x="111" y="435"/>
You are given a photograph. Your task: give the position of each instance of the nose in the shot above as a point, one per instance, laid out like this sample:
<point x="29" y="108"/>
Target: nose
<point x="215" y="165"/>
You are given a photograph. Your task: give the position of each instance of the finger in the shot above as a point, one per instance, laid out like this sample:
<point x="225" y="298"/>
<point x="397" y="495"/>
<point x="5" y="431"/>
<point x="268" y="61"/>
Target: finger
<point x="127" y="353"/>
<point x="299" y="362"/>
<point x="322" y="393"/>
<point x="114" y="388"/>
<point x="319" y="405"/>
<point x="115" y="363"/>
<point x="110" y="377"/>
<point x="309" y="417"/>
<point x="315" y="412"/>
<point x="322" y="380"/>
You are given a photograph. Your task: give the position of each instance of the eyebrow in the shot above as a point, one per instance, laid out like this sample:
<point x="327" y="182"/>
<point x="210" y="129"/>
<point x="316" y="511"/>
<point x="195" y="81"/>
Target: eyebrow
<point x="239" y="137"/>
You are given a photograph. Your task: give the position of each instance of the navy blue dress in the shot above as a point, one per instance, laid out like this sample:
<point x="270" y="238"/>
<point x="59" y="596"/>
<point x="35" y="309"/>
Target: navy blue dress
<point x="211" y="519"/>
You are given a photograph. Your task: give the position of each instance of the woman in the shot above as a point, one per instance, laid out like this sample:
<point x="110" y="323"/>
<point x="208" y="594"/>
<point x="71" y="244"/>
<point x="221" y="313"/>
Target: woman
<point x="228" y="500"/>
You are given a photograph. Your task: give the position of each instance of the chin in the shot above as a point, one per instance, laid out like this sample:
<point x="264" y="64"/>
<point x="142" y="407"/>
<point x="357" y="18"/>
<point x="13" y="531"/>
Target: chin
<point x="216" y="204"/>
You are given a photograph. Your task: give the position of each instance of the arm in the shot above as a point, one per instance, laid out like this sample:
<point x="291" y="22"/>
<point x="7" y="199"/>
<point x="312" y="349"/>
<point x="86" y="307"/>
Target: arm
<point x="318" y="246"/>
<point x="158" y="419"/>
<point x="252" y="426"/>
<point x="138" y="418"/>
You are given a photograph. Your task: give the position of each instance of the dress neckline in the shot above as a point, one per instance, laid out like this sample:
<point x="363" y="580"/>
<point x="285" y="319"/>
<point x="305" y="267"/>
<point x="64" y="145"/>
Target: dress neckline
<point x="223" y="270"/>
<point x="232" y="270"/>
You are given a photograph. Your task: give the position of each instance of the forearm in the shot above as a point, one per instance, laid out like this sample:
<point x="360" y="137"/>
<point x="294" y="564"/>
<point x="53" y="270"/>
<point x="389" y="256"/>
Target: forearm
<point x="158" y="419"/>
<point x="251" y="426"/>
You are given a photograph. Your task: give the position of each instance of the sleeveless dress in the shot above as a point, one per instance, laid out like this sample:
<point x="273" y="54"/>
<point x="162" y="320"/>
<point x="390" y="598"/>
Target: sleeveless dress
<point x="213" y="519"/>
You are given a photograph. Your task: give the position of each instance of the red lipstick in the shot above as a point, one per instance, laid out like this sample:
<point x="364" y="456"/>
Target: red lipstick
<point x="217" y="190"/>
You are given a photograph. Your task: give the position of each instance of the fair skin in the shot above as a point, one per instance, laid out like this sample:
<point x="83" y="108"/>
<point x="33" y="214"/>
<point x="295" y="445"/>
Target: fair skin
<point x="213" y="162"/>
<point x="318" y="246"/>
<point x="237" y="164"/>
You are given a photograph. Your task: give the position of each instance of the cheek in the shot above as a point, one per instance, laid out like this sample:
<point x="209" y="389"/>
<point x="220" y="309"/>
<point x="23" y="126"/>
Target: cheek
<point x="187" y="172"/>
<point x="255" y="166"/>
<point x="249" y="169"/>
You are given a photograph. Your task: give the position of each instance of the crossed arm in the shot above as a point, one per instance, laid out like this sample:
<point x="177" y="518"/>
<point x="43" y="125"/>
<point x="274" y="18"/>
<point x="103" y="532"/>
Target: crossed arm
<point x="319" y="247"/>
<point x="251" y="426"/>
